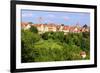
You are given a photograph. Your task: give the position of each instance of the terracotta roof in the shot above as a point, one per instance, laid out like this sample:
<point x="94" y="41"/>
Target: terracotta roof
<point x="23" y="24"/>
<point x="66" y="28"/>
<point x="37" y="25"/>
<point x="83" y="53"/>
<point x="48" y="25"/>
<point x="52" y="25"/>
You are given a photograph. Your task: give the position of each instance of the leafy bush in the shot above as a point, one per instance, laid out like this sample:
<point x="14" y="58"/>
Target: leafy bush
<point x="33" y="29"/>
<point x="27" y="40"/>
<point x="53" y="35"/>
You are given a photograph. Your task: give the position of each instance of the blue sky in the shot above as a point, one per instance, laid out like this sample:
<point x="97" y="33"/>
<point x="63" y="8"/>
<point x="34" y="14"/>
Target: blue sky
<point x="66" y="18"/>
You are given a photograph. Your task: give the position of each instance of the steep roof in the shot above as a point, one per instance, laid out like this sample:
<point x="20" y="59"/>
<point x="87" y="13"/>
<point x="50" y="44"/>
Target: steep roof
<point x="66" y="28"/>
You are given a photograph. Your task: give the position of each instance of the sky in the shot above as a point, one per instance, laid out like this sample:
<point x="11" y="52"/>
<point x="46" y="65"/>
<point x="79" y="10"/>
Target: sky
<point x="57" y="17"/>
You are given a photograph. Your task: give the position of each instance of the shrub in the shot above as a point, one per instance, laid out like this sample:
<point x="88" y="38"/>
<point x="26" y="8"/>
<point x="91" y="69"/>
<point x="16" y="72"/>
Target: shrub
<point x="27" y="41"/>
<point x="33" y="29"/>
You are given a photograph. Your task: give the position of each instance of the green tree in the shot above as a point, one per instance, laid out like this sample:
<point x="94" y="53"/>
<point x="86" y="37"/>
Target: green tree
<point x="45" y="35"/>
<point x="69" y="39"/>
<point x="28" y="39"/>
<point x="34" y="29"/>
<point x="86" y="34"/>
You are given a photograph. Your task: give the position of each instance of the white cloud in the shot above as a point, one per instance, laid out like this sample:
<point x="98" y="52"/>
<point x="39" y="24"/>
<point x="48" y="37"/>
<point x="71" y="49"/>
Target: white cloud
<point x="66" y="18"/>
<point x="51" y="15"/>
<point x="27" y="15"/>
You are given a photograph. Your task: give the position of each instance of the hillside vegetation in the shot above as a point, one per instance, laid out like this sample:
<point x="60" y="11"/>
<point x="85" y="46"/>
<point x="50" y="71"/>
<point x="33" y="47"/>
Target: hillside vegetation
<point x="53" y="46"/>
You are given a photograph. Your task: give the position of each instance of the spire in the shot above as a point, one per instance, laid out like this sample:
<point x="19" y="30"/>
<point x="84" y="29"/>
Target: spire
<point x="85" y="26"/>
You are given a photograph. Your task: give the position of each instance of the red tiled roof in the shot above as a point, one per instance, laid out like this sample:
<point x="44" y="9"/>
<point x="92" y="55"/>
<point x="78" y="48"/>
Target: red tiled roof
<point x="37" y="25"/>
<point x="23" y="24"/>
<point x="66" y="28"/>
<point x="48" y="25"/>
<point x="51" y="25"/>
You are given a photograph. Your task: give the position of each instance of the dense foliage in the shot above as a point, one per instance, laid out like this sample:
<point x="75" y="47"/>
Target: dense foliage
<point x="53" y="46"/>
